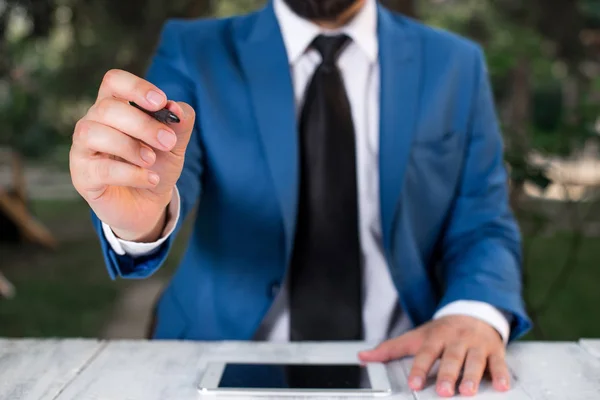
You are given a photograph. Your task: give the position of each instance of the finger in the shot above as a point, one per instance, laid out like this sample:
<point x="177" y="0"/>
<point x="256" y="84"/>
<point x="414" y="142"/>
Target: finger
<point x="499" y="372"/>
<point x="126" y="86"/>
<point x="450" y="367"/>
<point x="393" y="349"/>
<point x="135" y="123"/>
<point x="91" y="136"/>
<point x="185" y="127"/>
<point x="104" y="172"/>
<point x="473" y="372"/>
<point x="424" y="360"/>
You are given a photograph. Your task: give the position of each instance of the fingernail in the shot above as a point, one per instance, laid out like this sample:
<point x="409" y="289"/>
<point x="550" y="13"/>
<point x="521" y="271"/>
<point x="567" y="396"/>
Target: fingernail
<point x="416" y="382"/>
<point x="167" y="139"/>
<point x="468" y="386"/>
<point x="446" y="388"/>
<point x="153" y="178"/>
<point x="147" y="155"/>
<point x="155" y="98"/>
<point x="503" y="383"/>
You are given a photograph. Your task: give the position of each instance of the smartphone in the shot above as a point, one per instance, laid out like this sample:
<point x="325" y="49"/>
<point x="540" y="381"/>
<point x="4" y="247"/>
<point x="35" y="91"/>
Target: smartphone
<point x="264" y="379"/>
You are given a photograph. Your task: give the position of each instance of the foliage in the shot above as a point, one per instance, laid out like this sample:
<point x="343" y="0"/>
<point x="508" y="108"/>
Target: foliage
<point x="61" y="49"/>
<point x="508" y="37"/>
<point x="228" y="8"/>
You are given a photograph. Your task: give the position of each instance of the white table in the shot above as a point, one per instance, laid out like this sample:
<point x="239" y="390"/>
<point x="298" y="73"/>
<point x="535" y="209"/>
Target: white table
<point x="161" y="370"/>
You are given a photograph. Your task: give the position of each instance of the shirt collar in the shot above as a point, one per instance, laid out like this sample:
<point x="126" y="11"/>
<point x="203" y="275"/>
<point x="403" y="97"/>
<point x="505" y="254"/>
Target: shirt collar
<point x="298" y="33"/>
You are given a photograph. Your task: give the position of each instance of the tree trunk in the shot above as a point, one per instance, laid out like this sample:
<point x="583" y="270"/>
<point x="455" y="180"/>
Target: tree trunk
<point x="406" y="7"/>
<point x="18" y="171"/>
<point x="519" y="106"/>
<point x="567" y="32"/>
<point x="153" y="26"/>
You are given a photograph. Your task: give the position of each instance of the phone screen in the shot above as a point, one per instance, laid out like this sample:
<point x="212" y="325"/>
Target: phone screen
<point x="294" y="376"/>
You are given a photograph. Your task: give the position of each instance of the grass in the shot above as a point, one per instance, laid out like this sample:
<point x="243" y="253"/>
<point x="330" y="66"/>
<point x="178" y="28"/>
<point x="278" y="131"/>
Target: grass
<point x="67" y="293"/>
<point x="572" y="307"/>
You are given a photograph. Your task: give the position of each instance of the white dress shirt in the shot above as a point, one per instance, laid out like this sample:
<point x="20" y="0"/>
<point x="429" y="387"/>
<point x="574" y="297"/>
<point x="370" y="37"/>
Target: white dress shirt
<point x="359" y="65"/>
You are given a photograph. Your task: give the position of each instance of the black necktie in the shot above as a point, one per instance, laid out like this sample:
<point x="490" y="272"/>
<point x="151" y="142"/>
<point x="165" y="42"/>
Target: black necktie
<point x="325" y="275"/>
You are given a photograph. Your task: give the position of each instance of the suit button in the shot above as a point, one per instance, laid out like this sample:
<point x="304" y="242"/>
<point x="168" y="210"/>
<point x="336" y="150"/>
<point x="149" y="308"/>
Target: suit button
<point x="274" y="289"/>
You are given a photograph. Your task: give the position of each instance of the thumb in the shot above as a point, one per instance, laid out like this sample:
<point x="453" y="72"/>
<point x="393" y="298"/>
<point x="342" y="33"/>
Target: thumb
<point x="185" y="127"/>
<point x="402" y="346"/>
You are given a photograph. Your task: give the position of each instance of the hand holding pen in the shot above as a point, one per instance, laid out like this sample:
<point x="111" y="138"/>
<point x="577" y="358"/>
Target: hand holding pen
<point x="164" y="115"/>
<point x="127" y="154"/>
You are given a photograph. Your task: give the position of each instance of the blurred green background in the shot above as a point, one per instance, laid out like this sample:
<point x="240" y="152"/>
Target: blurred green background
<point x="544" y="61"/>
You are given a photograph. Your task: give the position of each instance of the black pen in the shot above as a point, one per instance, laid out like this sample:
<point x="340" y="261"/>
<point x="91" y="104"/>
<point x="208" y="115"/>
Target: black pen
<point x="165" y="116"/>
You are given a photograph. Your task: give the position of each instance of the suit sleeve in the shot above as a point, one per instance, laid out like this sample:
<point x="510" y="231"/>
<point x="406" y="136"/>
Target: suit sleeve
<point x="482" y="245"/>
<point x="168" y="71"/>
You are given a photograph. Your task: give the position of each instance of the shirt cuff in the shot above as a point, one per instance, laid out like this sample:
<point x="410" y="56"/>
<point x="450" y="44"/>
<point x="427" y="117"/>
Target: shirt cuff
<point x="136" y="249"/>
<point x="480" y="310"/>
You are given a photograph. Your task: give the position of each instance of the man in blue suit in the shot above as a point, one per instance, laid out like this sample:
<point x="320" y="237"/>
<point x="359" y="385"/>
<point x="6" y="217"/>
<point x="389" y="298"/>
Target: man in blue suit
<point x="349" y="171"/>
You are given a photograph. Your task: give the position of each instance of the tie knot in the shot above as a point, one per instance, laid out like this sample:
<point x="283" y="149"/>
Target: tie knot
<point x="330" y="47"/>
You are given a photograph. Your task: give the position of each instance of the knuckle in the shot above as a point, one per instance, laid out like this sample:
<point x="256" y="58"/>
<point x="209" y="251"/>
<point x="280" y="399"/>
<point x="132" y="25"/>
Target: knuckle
<point x="497" y="367"/>
<point x="418" y="371"/>
<point x="81" y="133"/>
<point x="148" y="125"/>
<point x="134" y="149"/>
<point x="451" y="363"/>
<point x="449" y="368"/>
<point x="472" y="374"/>
<point x="448" y="376"/>
<point x="102" y="170"/>
<point x="443" y="322"/>
<point x="500" y="352"/>
<point x="476" y="355"/>
<point x="469" y="335"/>
<point x="141" y="175"/>
<point x="147" y="131"/>
<point x="474" y="368"/>
<point x="135" y="175"/>
<point x="140" y="86"/>
<point x="423" y="363"/>
<point x="444" y="329"/>
<point x="498" y="356"/>
<point x="428" y="350"/>
<point x="454" y="356"/>
<point x="466" y="332"/>
<point x="432" y="346"/>
<point x="385" y="346"/>
<point x="499" y="372"/>
<point x="74" y="169"/>
<point x="457" y="345"/>
<point x="109" y="77"/>
<point x="500" y="368"/>
<point x="191" y="113"/>
<point x="104" y="107"/>
<point x="76" y="132"/>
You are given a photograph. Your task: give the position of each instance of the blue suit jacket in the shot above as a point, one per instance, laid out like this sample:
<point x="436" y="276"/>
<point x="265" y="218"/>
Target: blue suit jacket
<point x="448" y="232"/>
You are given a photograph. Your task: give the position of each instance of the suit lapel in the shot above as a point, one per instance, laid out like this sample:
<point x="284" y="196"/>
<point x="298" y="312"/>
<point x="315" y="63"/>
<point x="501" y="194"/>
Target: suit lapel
<point x="400" y="65"/>
<point x="264" y="62"/>
<point x="266" y="68"/>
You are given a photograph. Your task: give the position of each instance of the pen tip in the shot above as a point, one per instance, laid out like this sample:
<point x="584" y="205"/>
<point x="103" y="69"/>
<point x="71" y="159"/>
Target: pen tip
<point x="173" y="118"/>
